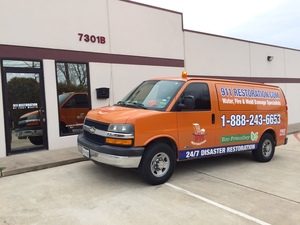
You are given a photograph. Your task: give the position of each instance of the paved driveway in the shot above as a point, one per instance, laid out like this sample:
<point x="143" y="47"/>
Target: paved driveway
<point x="225" y="190"/>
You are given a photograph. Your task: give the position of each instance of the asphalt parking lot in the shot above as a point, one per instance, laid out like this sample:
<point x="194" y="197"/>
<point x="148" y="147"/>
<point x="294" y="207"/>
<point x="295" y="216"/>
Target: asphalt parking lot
<point x="225" y="190"/>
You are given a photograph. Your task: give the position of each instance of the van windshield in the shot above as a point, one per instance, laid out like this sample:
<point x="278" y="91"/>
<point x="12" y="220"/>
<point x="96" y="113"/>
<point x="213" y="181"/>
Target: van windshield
<point x="152" y="94"/>
<point x="63" y="97"/>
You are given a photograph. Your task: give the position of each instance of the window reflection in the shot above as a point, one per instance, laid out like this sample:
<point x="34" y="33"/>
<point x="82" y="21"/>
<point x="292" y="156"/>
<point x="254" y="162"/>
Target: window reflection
<point x="21" y="64"/>
<point x="73" y="97"/>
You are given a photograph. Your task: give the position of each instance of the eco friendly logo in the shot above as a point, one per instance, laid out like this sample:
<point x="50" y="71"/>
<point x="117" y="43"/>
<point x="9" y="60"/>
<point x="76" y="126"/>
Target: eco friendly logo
<point x="254" y="136"/>
<point x="198" y="135"/>
<point x="239" y="138"/>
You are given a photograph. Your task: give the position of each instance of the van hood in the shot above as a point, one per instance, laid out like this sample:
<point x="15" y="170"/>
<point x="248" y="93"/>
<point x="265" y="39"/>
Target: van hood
<point x="118" y="114"/>
<point x="32" y="114"/>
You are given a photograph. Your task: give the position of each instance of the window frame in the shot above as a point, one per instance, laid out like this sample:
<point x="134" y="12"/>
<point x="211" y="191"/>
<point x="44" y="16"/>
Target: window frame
<point x="175" y="108"/>
<point x="61" y="134"/>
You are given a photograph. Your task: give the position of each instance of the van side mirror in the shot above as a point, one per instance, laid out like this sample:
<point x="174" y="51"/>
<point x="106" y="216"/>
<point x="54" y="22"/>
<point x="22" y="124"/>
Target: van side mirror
<point x="188" y="102"/>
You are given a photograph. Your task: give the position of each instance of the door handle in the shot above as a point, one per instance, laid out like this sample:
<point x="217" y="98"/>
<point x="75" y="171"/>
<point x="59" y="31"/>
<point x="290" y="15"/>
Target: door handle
<point x="42" y="115"/>
<point x="213" y="118"/>
<point x="42" y="110"/>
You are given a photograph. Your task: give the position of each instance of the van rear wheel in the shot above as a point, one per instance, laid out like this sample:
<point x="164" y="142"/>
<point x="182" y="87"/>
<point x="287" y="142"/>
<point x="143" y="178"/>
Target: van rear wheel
<point x="158" y="163"/>
<point x="266" y="148"/>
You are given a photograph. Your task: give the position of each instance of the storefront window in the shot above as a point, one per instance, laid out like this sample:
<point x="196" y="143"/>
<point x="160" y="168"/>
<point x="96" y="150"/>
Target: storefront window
<point x="73" y="96"/>
<point x="21" y="64"/>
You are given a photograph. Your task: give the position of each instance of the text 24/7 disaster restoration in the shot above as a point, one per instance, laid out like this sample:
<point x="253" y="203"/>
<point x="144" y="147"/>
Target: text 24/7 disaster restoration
<point x="174" y="119"/>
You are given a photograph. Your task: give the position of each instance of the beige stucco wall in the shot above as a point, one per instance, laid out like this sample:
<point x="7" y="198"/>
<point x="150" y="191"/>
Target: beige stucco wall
<point x="135" y="30"/>
<point x="210" y="55"/>
<point x="261" y="67"/>
<point x="220" y="56"/>
<point x="129" y="29"/>
<point x="139" y="30"/>
<point x="53" y="24"/>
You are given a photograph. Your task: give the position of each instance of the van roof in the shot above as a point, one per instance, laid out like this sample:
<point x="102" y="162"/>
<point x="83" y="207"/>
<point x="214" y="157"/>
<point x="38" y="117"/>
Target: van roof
<point x="212" y="78"/>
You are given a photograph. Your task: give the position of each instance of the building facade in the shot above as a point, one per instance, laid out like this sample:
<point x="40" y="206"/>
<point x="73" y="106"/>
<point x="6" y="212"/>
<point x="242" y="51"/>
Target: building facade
<point x="61" y="58"/>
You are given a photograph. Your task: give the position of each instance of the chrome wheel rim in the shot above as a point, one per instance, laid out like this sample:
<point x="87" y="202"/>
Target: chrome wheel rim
<point x="160" y="164"/>
<point x="267" y="148"/>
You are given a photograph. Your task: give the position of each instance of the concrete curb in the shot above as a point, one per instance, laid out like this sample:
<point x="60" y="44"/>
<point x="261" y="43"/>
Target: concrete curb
<point x="5" y="173"/>
<point x="294" y="128"/>
<point x="23" y="163"/>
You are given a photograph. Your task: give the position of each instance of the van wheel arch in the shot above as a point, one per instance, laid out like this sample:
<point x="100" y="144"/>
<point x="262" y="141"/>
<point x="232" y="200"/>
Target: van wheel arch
<point x="158" y="161"/>
<point x="271" y="132"/>
<point x="165" y="140"/>
<point x="266" y="147"/>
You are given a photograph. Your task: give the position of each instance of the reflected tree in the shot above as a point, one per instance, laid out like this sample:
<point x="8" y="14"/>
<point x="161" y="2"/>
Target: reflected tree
<point x="71" y="77"/>
<point x="22" y="90"/>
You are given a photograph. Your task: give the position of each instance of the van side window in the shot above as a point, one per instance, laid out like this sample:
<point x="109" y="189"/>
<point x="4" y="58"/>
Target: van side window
<point x="78" y="101"/>
<point x="73" y="95"/>
<point x="200" y="93"/>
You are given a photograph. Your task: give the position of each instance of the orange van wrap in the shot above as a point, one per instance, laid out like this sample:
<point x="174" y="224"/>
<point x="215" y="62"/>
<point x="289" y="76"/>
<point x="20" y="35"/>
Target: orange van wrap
<point x="171" y="119"/>
<point x="248" y="98"/>
<point x="252" y="109"/>
<point x="243" y="112"/>
<point x="146" y="122"/>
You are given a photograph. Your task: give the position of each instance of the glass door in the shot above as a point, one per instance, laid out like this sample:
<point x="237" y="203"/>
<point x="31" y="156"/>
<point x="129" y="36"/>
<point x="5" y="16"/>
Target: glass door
<point x="24" y="106"/>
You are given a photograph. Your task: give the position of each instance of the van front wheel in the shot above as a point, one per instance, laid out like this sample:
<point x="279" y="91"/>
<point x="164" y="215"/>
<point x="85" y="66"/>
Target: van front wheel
<point x="36" y="140"/>
<point x="158" y="163"/>
<point x="266" y="148"/>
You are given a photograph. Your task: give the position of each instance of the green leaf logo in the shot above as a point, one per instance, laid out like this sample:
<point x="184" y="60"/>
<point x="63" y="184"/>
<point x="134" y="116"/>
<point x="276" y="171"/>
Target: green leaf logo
<point x="254" y="136"/>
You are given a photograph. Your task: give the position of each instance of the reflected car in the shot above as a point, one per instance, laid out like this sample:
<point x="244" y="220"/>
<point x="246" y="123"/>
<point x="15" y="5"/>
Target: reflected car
<point x="29" y="126"/>
<point x="73" y="107"/>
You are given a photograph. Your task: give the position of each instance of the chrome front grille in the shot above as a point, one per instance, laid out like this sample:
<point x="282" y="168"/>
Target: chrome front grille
<point x="91" y="136"/>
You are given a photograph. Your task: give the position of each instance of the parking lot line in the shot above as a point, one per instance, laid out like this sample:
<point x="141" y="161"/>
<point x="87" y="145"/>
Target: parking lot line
<point x="223" y="207"/>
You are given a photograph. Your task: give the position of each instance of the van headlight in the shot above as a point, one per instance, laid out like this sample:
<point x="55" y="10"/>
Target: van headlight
<point x="120" y="134"/>
<point x="121" y="128"/>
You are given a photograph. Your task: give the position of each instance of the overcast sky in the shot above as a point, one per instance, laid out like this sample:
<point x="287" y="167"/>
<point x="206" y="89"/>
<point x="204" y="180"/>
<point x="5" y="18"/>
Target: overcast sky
<point x="275" y="22"/>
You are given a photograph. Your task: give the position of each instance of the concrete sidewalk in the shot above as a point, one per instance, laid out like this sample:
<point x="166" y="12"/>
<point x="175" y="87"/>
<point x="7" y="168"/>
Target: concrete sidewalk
<point x="25" y="162"/>
<point x="21" y="163"/>
<point x="294" y="128"/>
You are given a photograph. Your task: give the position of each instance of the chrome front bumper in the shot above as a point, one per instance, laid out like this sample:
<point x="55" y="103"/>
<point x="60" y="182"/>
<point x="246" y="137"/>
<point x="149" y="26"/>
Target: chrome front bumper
<point x="113" y="160"/>
<point x="22" y="134"/>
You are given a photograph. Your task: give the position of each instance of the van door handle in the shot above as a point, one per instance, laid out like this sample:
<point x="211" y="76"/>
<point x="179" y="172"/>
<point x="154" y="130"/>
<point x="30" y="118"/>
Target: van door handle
<point x="213" y="118"/>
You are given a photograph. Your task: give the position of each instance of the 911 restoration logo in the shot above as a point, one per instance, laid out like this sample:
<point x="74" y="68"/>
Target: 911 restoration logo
<point x="245" y="96"/>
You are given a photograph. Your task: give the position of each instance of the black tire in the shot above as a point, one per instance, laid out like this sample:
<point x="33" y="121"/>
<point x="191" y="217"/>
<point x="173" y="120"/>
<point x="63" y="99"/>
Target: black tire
<point x="158" y="163"/>
<point x="63" y="128"/>
<point x="266" y="148"/>
<point x="37" y="140"/>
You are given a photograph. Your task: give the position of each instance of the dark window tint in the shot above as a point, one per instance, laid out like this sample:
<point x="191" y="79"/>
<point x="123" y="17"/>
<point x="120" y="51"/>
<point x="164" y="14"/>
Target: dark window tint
<point x="78" y="101"/>
<point x="200" y="93"/>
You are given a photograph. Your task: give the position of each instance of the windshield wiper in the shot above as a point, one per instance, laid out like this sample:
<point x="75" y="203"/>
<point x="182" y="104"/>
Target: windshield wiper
<point x="121" y="103"/>
<point x="137" y="105"/>
<point x="132" y="104"/>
